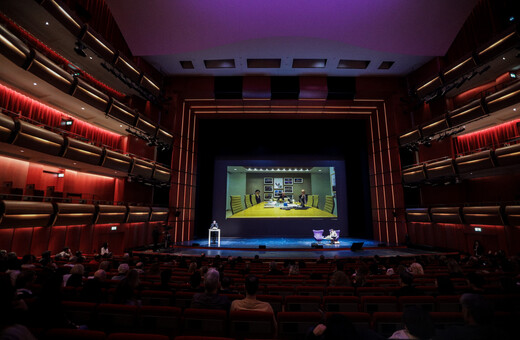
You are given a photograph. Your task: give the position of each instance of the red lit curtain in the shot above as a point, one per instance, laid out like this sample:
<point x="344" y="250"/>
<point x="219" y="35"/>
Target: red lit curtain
<point x="487" y="138"/>
<point x="27" y="107"/>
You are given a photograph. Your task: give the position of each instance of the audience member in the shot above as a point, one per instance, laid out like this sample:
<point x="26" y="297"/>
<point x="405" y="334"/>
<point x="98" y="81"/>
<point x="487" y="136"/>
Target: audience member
<point x="417" y="325"/>
<point x="93" y="288"/>
<point x="339" y="279"/>
<point x="416" y="268"/>
<point x="24" y="283"/>
<point x="76" y="276"/>
<point x="210" y="299"/>
<point x="122" y="271"/>
<point x="407" y="289"/>
<point x="273" y="269"/>
<point x="126" y="290"/>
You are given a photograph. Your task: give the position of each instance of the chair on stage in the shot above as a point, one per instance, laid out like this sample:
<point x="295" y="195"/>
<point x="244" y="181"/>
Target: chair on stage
<point x="247" y="201"/>
<point x="318" y="235"/>
<point x="236" y="204"/>
<point x="329" y="204"/>
<point x="309" y="200"/>
<point x="315" y="200"/>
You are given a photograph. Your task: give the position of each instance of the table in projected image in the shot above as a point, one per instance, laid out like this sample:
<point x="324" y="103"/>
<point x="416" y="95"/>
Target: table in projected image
<point x="261" y="211"/>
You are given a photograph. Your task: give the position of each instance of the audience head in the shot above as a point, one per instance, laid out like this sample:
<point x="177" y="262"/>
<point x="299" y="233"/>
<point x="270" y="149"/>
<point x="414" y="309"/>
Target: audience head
<point x="339" y="278"/>
<point x="406" y="278"/>
<point x="226" y="282"/>
<point x="78" y="269"/>
<point x="133" y="278"/>
<point x="211" y="280"/>
<point x="25" y="278"/>
<point x="105" y="265"/>
<point x="475" y="309"/>
<point x="252" y="284"/>
<point x="100" y="274"/>
<point x="123" y="268"/>
<point x="418" y="322"/>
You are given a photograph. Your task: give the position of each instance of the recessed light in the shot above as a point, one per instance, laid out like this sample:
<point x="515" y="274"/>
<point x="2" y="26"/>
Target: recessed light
<point x="83" y="108"/>
<point x="235" y="169"/>
<point x="503" y="58"/>
<point x="319" y="170"/>
<point x="46" y="23"/>
<point x="514" y="109"/>
<point x="74" y="163"/>
<point x="90" y="58"/>
<point x="35" y="84"/>
<point x="22" y="151"/>
<point x="120" y="125"/>
<point x="115" y="172"/>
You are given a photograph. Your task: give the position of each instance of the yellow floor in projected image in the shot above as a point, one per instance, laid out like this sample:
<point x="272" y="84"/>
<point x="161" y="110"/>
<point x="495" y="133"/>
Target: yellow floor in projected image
<point x="259" y="211"/>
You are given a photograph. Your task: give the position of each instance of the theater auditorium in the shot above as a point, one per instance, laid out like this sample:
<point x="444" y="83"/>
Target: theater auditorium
<point x="187" y="170"/>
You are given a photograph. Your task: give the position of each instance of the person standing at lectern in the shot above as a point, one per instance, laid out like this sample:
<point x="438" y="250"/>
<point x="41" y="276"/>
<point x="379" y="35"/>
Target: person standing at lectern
<point x="303" y="198"/>
<point x="257" y="196"/>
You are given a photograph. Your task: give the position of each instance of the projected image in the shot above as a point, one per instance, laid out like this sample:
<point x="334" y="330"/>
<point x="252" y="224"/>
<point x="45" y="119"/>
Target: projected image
<point x="281" y="192"/>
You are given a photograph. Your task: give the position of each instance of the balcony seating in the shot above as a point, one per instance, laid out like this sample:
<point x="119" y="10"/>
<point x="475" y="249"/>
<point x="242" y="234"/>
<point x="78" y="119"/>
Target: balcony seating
<point x="418" y="215"/>
<point x="48" y="71"/>
<point x="446" y="215"/>
<point x="440" y="169"/>
<point x="17" y="214"/>
<point x="74" y="214"/>
<point x="110" y="214"/>
<point x="490" y="215"/>
<point x="37" y="138"/>
<point x="476" y="161"/>
<point x="138" y="214"/>
<point x="83" y="152"/>
<point x="414" y="174"/>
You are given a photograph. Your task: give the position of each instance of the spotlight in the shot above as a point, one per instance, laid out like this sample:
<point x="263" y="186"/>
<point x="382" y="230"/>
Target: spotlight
<point x="79" y="48"/>
<point x="512" y="75"/>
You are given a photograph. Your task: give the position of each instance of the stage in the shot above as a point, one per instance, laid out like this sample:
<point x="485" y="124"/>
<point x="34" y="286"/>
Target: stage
<point x="283" y="248"/>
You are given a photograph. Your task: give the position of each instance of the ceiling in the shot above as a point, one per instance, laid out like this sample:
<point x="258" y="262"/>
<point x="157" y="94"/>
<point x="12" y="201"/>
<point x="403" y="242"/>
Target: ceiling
<point x="407" y="32"/>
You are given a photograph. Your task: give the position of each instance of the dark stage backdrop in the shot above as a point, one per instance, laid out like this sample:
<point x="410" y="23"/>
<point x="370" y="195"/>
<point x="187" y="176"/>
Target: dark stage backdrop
<point x="278" y="142"/>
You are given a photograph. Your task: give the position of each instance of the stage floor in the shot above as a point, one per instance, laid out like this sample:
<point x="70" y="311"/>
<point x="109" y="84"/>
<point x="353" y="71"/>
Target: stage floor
<point x="282" y="248"/>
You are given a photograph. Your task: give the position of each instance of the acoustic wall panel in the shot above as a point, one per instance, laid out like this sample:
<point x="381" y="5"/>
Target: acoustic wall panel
<point x="110" y="214"/>
<point x="508" y="155"/>
<point x="19" y="214"/>
<point x="83" y="152"/>
<point x="48" y="71"/>
<point x="418" y="215"/>
<point x="37" y="138"/>
<point x="138" y="214"/>
<point x="13" y="48"/>
<point x="483" y="215"/>
<point x="446" y="215"/>
<point x="7" y="127"/>
<point x="74" y="214"/>
<point x="116" y="161"/>
<point x="477" y="161"/>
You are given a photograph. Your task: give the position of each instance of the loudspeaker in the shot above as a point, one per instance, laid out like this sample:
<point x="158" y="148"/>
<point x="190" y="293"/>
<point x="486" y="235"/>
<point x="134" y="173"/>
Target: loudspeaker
<point x="341" y="87"/>
<point x="228" y="87"/>
<point x="285" y="87"/>
<point x="357" y="246"/>
<point x="262" y="246"/>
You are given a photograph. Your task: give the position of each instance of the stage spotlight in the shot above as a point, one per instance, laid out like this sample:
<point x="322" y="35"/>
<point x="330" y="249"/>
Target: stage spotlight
<point x="79" y="48"/>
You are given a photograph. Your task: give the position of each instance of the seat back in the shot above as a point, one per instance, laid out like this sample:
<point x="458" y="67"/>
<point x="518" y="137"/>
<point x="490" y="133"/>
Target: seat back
<point x="160" y="319"/>
<point x="81" y="313"/>
<point x="315" y="200"/>
<point x="116" y="318"/>
<point x="249" y="324"/>
<point x="204" y="322"/>
<point x="248" y="201"/>
<point x="448" y="303"/>
<point x="183" y="299"/>
<point x="425" y="302"/>
<point x="294" y="325"/>
<point x="371" y="304"/>
<point x="310" y="200"/>
<point x="156" y="298"/>
<point x="136" y="336"/>
<point x="358" y="319"/>
<point x="73" y="333"/>
<point x="329" y="204"/>
<point x="386" y="323"/>
<point x="236" y="204"/>
<point x="341" y="303"/>
<point x="298" y="303"/>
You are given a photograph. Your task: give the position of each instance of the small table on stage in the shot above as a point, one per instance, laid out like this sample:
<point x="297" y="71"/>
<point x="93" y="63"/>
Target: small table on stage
<point x="218" y="236"/>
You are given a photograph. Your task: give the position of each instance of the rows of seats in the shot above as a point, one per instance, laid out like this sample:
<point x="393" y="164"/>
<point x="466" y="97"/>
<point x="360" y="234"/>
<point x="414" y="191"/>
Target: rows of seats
<point x="486" y="215"/>
<point x="18" y="214"/>
<point x="41" y="66"/>
<point x="501" y="157"/>
<point x="19" y="132"/>
<point x="173" y="321"/>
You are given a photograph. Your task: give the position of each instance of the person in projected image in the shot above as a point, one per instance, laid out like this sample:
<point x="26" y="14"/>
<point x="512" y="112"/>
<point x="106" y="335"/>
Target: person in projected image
<point x="257" y="196"/>
<point x="283" y="197"/>
<point x="303" y="198"/>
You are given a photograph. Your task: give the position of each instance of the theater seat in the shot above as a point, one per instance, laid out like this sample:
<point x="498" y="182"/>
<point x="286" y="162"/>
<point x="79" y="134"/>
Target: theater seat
<point x="341" y="303"/>
<point x="196" y="337"/>
<point x="386" y="323"/>
<point x="358" y="319"/>
<point x="251" y="324"/>
<point x="294" y="325"/>
<point x="372" y="304"/>
<point x="297" y="303"/>
<point x="116" y="318"/>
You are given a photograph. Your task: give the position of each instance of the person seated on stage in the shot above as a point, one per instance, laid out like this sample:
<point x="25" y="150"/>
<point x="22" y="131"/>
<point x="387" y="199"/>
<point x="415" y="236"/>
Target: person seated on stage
<point x="303" y="198"/>
<point x="104" y="250"/>
<point x="257" y="196"/>
<point x="250" y="303"/>
<point x="283" y="197"/>
<point x="65" y="254"/>
<point x="273" y="270"/>
<point x="332" y="237"/>
<point x="210" y="299"/>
